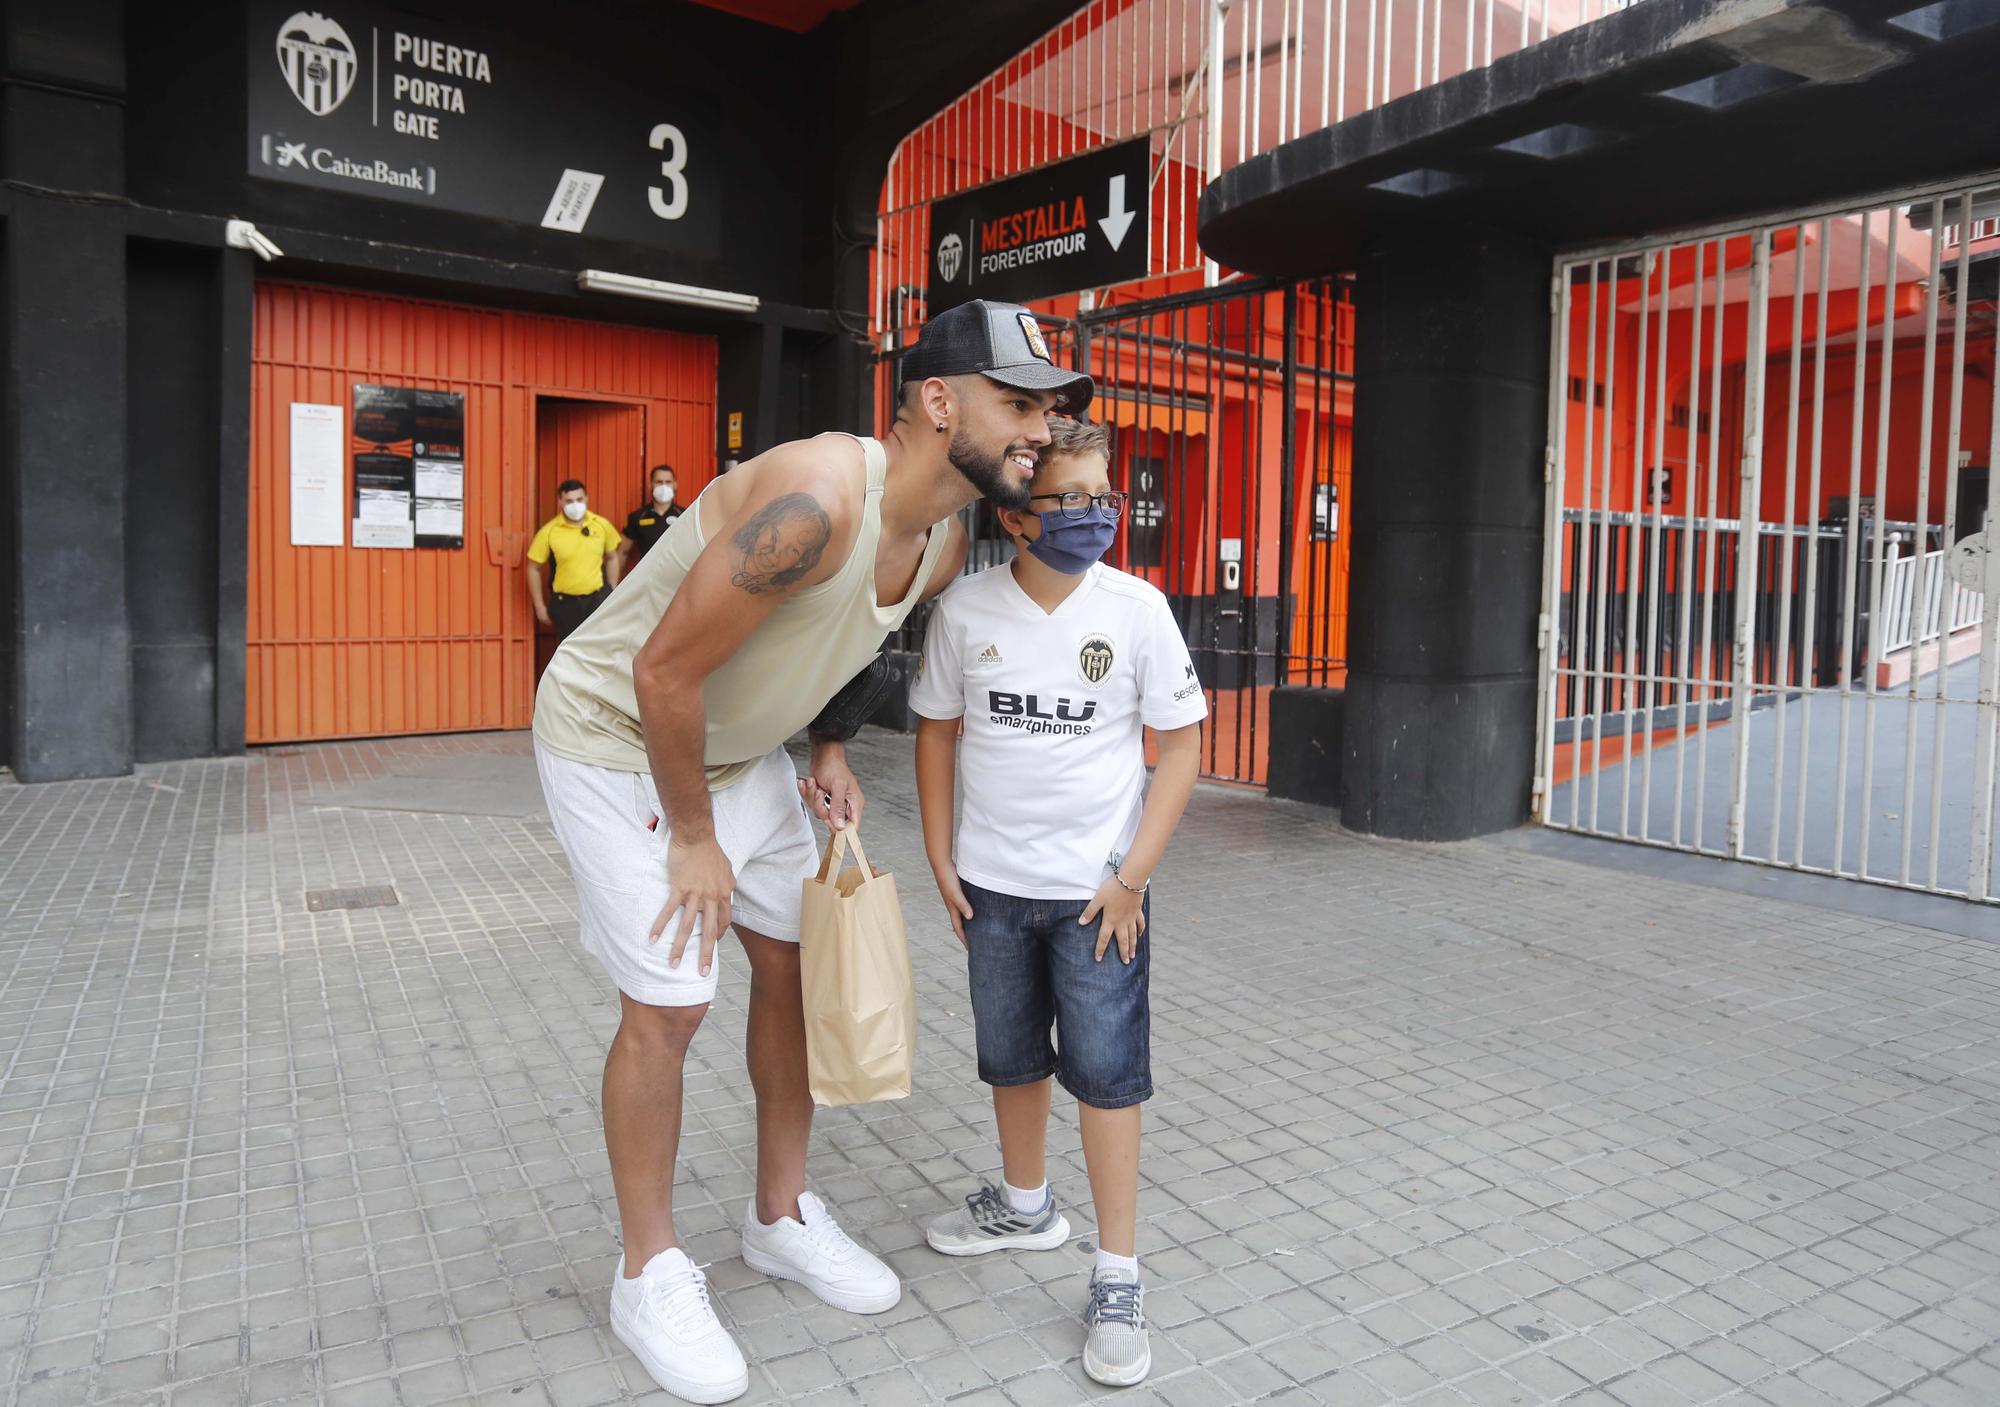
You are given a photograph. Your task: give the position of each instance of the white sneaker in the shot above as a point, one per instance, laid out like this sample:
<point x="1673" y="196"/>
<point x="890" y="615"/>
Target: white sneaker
<point x="664" y="1317"/>
<point x="1116" y="1351"/>
<point x="818" y="1254"/>
<point x="988" y="1222"/>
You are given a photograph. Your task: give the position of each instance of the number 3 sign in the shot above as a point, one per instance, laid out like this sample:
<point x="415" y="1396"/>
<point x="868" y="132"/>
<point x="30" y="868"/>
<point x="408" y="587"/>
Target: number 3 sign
<point x="674" y="168"/>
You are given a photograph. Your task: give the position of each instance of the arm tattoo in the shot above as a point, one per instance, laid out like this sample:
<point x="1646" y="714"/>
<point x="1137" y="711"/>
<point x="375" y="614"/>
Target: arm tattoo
<point x="781" y="544"/>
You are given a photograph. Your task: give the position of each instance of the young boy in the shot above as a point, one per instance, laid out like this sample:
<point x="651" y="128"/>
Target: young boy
<point x="1054" y="662"/>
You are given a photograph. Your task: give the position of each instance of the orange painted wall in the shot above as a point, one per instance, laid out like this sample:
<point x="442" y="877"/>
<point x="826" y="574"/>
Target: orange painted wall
<point x="344" y="642"/>
<point x="1705" y="407"/>
<point x="1905" y="458"/>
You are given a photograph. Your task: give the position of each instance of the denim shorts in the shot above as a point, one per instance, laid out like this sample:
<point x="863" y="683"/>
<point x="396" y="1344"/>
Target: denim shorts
<point x="1032" y="967"/>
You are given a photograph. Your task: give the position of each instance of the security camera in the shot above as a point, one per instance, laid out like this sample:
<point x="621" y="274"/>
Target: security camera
<point x="241" y="234"/>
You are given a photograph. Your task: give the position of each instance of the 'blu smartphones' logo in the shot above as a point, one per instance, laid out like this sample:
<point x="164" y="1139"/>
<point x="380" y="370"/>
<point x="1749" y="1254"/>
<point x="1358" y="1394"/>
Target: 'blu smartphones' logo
<point x="1030" y="706"/>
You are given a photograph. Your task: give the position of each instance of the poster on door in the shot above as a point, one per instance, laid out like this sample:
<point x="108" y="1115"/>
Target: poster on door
<point x="409" y="467"/>
<point x="1147" y="512"/>
<point x="438" y="464"/>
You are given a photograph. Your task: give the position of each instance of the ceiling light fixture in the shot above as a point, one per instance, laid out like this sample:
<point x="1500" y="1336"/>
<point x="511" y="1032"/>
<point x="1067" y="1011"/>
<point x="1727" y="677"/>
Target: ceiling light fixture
<point x="632" y="286"/>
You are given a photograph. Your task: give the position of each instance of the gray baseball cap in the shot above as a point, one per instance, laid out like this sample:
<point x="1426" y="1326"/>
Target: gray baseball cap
<point x="1001" y="341"/>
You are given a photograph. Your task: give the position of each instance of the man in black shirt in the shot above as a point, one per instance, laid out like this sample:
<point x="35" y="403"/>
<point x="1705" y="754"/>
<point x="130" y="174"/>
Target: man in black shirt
<point x="648" y="523"/>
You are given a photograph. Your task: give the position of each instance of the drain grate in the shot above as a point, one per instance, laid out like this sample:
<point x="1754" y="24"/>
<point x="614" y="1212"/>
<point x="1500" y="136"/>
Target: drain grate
<point x="360" y="896"/>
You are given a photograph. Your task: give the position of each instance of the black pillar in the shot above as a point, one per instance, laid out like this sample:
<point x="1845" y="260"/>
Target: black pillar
<point x="1450" y="422"/>
<point x="187" y="495"/>
<point x="66" y="430"/>
<point x="63" y="400"/>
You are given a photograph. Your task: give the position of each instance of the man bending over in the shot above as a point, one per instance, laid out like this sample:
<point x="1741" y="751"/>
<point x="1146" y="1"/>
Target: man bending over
<point x="659" y="734"/>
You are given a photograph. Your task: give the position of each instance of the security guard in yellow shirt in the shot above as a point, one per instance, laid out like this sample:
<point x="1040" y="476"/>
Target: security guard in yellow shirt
<point x="585" y="548"/>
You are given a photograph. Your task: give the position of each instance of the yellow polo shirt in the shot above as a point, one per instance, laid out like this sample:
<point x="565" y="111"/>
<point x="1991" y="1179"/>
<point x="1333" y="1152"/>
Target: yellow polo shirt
<point x="579" y="550"/>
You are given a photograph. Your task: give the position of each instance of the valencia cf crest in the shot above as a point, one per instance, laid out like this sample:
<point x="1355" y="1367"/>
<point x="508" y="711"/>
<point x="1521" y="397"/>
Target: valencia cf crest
<point x="318" y="61"/>
<point x="1094" y="658"/>
<point x="950" y="255"/>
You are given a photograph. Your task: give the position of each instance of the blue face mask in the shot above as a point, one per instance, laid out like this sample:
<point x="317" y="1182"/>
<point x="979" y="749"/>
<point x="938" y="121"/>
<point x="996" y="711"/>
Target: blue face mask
<point x="1073" y="545"/>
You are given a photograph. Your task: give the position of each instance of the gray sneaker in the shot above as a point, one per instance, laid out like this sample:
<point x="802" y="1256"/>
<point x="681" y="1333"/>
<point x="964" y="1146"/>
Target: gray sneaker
<point x="1116" y="1352"/>
<point x="988" y="1222"/>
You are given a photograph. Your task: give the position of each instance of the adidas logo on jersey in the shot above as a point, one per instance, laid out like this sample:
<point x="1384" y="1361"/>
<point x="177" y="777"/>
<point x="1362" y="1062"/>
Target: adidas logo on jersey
<point x="990" y="655"/>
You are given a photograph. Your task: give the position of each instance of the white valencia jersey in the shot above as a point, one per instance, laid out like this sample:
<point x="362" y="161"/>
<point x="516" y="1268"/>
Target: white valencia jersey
<point x="1053" y="758"/>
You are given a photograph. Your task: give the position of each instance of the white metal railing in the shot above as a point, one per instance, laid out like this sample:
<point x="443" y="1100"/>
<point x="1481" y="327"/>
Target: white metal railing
<point x="1903" y="580"/>
<point x="1786" y="371"/>
<point x="1210" y="83"/>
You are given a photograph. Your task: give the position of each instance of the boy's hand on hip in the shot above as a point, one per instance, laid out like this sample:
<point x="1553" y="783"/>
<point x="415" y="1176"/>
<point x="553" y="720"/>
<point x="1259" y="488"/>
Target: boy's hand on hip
<point x="1124" y="915"/>
<point x="700" y="882"/>
<point x="955" y="903"/>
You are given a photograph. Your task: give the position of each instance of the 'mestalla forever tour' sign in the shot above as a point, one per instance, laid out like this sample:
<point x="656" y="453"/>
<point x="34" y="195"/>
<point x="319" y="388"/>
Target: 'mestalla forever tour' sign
<point x="360" y="98"/>
<point x="1080" y="223"/>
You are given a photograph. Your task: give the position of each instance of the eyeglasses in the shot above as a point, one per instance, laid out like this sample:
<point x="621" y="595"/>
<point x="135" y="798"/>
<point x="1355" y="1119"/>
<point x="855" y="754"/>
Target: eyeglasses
<point x="1075" y="505"/>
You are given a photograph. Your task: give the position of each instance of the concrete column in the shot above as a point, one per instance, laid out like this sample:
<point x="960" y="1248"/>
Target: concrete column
<point x="65" y="401"/>
<point x="1450" y="420"/>
<point x="62" y="400"/>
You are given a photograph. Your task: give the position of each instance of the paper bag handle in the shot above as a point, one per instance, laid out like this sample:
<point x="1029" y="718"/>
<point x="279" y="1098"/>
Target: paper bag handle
<point x="840" y="841"/>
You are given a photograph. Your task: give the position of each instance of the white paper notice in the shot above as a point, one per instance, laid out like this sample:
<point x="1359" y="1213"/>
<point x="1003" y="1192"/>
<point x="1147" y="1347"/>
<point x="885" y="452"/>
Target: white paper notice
<point x="383" y="519"/>
<point x="439" y="478"/>
<point x="383" y="507"/>
<point x="440" y="517"/>
<point x="384" y="534"/>
<point x="319" y="479"/>
<point x="569" y="207"/>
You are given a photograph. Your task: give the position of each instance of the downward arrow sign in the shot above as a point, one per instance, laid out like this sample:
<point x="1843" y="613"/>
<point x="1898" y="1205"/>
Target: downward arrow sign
<point x="1119" y="220"/>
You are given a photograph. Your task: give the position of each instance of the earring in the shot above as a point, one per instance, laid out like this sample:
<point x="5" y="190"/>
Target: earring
<point x="940" y="427"/>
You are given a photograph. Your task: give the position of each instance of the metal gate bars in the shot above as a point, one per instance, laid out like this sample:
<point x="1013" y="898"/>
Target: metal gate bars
<point x="1234" y="504"/>
<point x="1765" y="632"/>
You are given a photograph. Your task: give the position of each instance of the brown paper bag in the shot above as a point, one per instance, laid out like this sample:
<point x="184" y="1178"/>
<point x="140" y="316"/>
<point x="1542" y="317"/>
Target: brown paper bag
<point x="860" y="1000"/>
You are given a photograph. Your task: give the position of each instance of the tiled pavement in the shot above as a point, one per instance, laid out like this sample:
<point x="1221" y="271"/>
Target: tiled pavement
<point x="1436" y="1124"/>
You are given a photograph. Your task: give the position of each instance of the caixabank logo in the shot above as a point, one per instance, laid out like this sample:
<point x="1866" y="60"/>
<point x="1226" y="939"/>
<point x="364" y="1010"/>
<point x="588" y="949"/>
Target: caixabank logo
<point x="418" y="178"/>
<point x="318" y="61"/>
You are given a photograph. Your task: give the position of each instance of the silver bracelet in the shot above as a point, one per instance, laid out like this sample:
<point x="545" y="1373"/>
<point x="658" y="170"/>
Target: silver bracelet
<point x="1118" y="874"/>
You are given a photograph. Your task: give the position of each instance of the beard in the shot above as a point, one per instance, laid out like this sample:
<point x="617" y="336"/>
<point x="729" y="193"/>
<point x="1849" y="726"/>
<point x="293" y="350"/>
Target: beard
<point x="988" y="472"/>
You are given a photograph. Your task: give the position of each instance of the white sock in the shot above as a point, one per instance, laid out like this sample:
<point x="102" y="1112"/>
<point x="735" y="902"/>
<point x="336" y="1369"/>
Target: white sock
<point x="1024" y="1202"/>
<point x="1107" y="1261"/>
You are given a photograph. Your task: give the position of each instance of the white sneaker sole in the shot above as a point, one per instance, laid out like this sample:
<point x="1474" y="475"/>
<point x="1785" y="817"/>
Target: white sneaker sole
<point x="678" y="1384"/>
<point x="1038" y="1241"/>
<point x="854" y="1303"/>
<point x="1128" y="1377"/>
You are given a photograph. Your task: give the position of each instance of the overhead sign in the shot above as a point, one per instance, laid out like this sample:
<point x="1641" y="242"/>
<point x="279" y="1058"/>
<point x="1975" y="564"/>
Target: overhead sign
<point x="1079" y="224"/>
<point x="368" y="100"/>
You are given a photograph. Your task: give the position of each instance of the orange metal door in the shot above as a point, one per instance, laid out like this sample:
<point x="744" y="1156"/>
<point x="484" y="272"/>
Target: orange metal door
<point x="348" y="642"/>
<point x="1319" y="571"/>
<point x="603" y="445"/>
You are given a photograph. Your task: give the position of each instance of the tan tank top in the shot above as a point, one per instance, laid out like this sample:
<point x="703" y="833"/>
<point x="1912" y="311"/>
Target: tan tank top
<point x="811" y="645"/>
